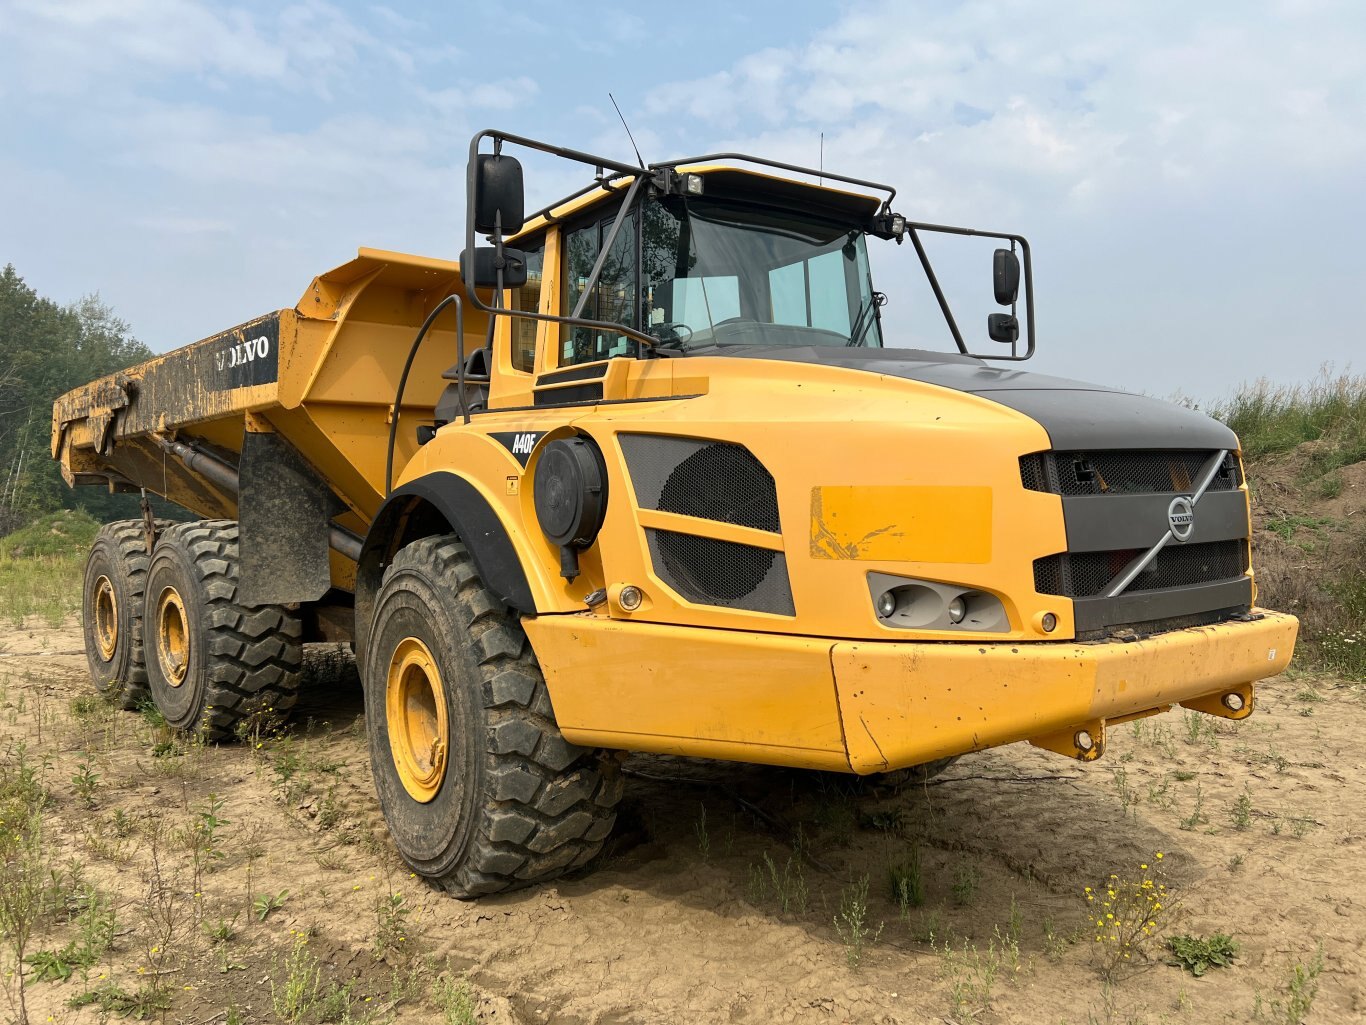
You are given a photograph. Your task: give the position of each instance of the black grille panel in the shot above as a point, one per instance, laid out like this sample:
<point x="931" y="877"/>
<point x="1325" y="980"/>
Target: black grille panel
<point x="711" y="480"/>
<point x="1123" y="472"/>
<point x="1086" y="574"/>
<point x="707" y="571"/>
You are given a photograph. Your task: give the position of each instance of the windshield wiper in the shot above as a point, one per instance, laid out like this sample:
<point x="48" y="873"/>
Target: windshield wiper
<point x="865" y="316"/>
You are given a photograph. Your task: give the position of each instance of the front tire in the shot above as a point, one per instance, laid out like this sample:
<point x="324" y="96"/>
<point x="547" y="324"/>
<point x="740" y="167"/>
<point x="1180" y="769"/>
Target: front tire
<point x="480" y="790"/>
<point x="212" y="661"/>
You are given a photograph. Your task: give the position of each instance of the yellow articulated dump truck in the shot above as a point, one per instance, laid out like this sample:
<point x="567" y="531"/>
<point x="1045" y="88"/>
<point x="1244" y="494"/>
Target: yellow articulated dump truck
<point x="647" y="472"/>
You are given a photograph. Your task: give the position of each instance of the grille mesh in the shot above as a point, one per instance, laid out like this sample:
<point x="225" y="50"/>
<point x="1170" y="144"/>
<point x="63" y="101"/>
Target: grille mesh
<point x="1086" y="574"/>
<point x="707" y="479"/>
<point x="1123" y="472"/>
<point x="710" y="572"/>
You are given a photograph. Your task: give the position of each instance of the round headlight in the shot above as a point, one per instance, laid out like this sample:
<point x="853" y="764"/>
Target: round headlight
<point x="886" y="604"/>
<point x="957" y="610"/>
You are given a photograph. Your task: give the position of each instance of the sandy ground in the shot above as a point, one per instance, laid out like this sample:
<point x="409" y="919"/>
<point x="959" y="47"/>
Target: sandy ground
<point x="718" y="898"/>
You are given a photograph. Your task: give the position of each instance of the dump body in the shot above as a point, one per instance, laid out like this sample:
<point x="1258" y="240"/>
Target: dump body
<point x="323" y="375"/>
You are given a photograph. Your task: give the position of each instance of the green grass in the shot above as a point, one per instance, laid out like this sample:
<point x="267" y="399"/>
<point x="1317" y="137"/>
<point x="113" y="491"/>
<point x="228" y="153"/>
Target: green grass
<point x="41" y="567"/>
<point x="66" y="532"/>
<point x="1270" y="418"/>
<point x="1320" y="575"/>
<point x="1288" y="526"/>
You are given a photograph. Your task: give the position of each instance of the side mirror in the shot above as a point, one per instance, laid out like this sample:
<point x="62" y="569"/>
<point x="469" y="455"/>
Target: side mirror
<point x="481" y="270"/>
<point x="498" y="194"/>
<point x="1002" y="327"/>
<point x="1005" y="278"/>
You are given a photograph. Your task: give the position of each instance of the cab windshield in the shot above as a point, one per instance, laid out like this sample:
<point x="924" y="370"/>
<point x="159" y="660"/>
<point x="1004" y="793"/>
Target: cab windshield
<point x="714" y="273"/>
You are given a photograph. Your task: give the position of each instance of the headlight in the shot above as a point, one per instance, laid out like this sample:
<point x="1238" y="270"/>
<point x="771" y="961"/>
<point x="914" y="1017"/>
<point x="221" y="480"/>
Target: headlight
<point x="909" y="604"/>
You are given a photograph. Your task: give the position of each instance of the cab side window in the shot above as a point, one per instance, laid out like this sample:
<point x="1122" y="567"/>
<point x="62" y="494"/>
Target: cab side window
<point x="612" y="299"/>
<point x="528" y="299"/>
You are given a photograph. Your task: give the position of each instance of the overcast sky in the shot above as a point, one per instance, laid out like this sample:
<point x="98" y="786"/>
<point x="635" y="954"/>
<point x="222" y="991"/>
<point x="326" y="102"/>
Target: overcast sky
<point x="1191" y="176"/>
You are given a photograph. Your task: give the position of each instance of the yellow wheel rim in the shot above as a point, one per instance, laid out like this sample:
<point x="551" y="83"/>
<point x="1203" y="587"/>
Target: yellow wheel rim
<point x="106" y="617"/>
<point x="173" y="637"/>
<point x="415" y="706"/>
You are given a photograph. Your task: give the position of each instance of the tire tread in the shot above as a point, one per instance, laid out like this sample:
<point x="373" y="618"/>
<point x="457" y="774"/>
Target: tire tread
<point x="253" y="653"/>
<point x="548" y="804"/>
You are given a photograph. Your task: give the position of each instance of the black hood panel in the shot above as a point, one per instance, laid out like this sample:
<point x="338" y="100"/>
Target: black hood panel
<point x="1075" y="414"/>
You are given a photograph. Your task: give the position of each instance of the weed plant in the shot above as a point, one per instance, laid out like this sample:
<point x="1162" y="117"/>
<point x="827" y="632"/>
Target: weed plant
<point x="1301" y="987"/>
<point x="302" y="995"/>
<point x="1126" y="914"/>
<point x="267" y="904"/>
<point x="851" y="923"/>
<point x="455" y="1001"/>
<point x="966" y="877"/>
<point x="908" y="881"/>
<point x="786" y="887"/>
<point x="392" y="912"/>
<point x="1199" y="954"/>
<point x="27" y="880"/>
<point x="971" y="975"/>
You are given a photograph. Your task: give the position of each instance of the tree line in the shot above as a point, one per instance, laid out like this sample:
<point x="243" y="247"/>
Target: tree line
<point x="47" y="348"/>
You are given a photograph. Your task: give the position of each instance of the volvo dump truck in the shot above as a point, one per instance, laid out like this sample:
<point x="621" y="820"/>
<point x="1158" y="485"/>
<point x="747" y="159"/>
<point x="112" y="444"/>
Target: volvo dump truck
<point x="647" y="472"/>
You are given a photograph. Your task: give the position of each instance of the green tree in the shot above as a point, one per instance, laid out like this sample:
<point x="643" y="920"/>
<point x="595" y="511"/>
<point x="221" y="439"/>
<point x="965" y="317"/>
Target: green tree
<point x="47" y="349"/>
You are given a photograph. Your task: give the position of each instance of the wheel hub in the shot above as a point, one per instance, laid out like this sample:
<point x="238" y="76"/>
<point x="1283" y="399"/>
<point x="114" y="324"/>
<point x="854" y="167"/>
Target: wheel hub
<point x="106" y="618"/>
<point x="173" y="637"/>
<point x="415" y="707"/>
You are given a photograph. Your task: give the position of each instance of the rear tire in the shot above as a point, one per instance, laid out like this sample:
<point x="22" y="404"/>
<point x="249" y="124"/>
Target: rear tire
<point x="480" y="790"/>
<point x="212" y="661"/>
<point x="112" y="611"/>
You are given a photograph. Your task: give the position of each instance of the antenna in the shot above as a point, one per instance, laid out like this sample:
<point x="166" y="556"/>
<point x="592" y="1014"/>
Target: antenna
<point x="820" y="179"/>
<point x="639" y="158"/>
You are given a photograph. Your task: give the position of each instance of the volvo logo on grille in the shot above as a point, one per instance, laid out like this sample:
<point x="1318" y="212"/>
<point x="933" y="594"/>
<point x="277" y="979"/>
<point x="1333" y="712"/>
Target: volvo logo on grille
<point x="1181" y="518"/>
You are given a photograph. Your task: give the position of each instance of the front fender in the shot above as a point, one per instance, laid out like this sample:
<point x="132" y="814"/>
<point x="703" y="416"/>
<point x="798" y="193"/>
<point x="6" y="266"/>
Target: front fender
<point x="440" y="503"/>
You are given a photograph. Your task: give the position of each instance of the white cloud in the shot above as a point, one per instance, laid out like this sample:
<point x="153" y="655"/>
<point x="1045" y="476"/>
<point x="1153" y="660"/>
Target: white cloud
<point x="1079" y="101"/>
<point x="61" y="47"/>
<point x="65" y="48"/>
<point x="506" y="93"/>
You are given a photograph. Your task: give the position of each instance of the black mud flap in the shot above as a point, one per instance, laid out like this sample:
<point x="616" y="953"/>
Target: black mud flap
<point x="284" y="511"/>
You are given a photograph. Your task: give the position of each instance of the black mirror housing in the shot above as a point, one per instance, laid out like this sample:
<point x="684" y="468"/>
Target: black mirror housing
<point x="1002" y="327"/>
<point x="1005" y="278"/>
<point x="481" y="270"/>
<point x="499" y="202"/>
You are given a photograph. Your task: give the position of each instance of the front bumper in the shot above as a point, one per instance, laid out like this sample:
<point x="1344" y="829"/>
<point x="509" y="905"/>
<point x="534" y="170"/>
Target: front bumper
<point x="903" y="704"/>
<point x="874" y="706"/>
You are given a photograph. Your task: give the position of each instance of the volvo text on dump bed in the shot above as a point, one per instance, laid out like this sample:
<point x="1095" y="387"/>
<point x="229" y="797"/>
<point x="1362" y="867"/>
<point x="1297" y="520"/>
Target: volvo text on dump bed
<point x="649" y="472"/>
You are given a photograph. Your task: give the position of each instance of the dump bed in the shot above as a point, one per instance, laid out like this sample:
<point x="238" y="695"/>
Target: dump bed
<point x="322" y="376"/>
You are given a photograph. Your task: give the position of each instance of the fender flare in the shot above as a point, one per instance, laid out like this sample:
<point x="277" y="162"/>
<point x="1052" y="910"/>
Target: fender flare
<point x="434" y="504"/>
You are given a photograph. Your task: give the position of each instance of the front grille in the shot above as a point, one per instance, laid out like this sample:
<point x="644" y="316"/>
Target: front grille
<point x="1124" y="472"/>
<point x="707" y="571"/>
<point x="1086" y="574"/>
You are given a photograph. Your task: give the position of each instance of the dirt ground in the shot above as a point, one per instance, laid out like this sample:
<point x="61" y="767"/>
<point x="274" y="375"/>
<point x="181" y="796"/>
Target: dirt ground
<point x="728" y="893"/>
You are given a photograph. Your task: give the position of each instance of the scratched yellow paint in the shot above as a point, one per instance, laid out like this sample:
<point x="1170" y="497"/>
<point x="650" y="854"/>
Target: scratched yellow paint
<point x="901" y="523"/>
